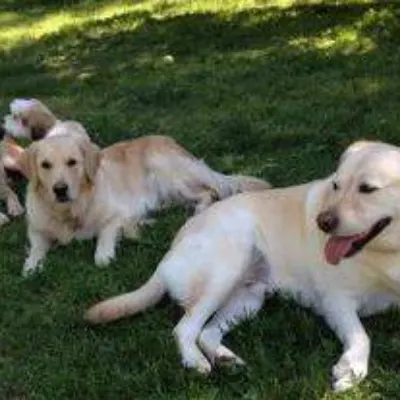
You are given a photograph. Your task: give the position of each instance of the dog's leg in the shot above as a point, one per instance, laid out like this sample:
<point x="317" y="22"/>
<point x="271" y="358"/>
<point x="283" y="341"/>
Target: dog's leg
<point x="40" y="245"/>
<point x="106" y="242"/>
<point x="131" y="230"/>
<point x="243" y="303"/>
<point x="14" y="206"/>
<point x="352" y="367"/>
<point x="190" y="326"/>
<point x="3" y="219"/>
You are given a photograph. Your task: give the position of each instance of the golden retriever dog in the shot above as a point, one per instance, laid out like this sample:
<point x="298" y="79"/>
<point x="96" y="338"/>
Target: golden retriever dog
<point x="30" y="119"/>
<point x="9" y="155"/>
<point x="77" y="191"/>
<point x="333" y="244"/>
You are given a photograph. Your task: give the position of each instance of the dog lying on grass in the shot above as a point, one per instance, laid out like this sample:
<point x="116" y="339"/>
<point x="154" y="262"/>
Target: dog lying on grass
<point x="334" y="244"/>
<point x="78" y="191"/>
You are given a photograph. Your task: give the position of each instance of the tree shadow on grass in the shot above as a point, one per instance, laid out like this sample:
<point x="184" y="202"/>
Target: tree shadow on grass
<point x="259" y="82"/>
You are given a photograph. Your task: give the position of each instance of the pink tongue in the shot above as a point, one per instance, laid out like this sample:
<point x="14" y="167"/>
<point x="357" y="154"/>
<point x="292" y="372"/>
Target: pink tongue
<point x="337" y="247"/>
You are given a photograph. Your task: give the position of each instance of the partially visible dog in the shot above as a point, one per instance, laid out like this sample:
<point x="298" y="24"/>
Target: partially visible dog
<point x="29" y="118"/>
<point x="77" y="191"/>
<point x="9" y="155"/>
<point x="223" y="261"/>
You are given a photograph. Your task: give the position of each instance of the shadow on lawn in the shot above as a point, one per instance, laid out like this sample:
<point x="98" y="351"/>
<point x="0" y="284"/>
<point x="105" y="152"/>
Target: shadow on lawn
<point x="256" y="82"/>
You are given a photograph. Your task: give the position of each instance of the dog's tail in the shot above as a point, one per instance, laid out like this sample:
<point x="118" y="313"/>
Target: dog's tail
<point x="195" y="172"/>
<point x="227" y="185"/>
<point x="127" y="304"/>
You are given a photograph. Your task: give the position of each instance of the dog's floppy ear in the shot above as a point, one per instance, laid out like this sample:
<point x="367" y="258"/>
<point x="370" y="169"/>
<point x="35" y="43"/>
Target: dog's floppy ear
<point x="11" y="153"/>
<point x="92" y="156"/>
<point x="38" y="132"/>
<point x="27" y="162"/>
<point x="40" y="121"/>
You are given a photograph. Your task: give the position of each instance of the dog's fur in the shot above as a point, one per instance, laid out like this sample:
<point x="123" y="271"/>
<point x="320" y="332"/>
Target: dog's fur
<point x="223" y="261"/>
<point x="33" y="120"/>
<point x="110" y="192"/>
<point x="9" y="155"/>
<point x="29" y="118"/>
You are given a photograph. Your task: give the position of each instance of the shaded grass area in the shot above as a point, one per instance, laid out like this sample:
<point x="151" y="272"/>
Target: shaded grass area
<point x="252" y="87"/>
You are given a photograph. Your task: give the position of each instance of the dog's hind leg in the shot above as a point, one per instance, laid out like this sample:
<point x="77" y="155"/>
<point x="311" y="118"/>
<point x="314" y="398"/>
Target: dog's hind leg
<point x="242" y="304"/>
<point x="217" y="289"/>
<point x="187" y="331"/>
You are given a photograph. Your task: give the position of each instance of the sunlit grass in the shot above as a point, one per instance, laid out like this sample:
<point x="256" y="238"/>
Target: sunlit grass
<point x="30" y="25"/>
<point x="54" y="21"/>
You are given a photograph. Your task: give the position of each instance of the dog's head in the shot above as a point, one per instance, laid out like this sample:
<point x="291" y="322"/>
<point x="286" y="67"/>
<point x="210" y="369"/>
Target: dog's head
<point x="28" y="118"/>
<point x="61" y="167"/>
<point x="361" y="206"/>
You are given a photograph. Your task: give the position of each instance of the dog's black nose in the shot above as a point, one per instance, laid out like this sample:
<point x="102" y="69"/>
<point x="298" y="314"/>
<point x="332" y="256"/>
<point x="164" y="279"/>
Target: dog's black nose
<point x="327" y="221"/>
<point x="61" y="191"/>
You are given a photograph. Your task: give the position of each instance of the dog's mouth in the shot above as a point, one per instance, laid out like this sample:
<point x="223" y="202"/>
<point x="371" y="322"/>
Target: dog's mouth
<point x="62" y="198"/>
<point x="339" y="247"/>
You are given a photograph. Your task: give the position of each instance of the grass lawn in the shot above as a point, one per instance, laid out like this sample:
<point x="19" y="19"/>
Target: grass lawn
<point x="275" y="89"/>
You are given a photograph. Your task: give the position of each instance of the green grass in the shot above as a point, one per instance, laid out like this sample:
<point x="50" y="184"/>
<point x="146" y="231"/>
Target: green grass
<point x="275" y="89"/>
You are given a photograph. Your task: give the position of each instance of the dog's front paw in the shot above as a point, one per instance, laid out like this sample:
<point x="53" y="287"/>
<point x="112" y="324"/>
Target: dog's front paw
<point x="103" y="258"/>
<point x="30" y="268"/>
<point x="348" y="372"/>
<point x="14" y="208"/>
<point x="4" y="219"/>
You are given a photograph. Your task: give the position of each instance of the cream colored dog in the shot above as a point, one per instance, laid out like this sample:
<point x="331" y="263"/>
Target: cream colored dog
<point x="78" y="191"/>
<point x="29" y="118"/>
<point x="223" y="261"/>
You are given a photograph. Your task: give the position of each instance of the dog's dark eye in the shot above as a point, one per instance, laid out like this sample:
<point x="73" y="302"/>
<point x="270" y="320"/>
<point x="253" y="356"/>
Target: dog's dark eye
<point x="24" y="121"/>
<point x="46" y="165"/>
<point x="335" y="186"/>
<point x="71" y="162"/>
<point x="365" y="188"/>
